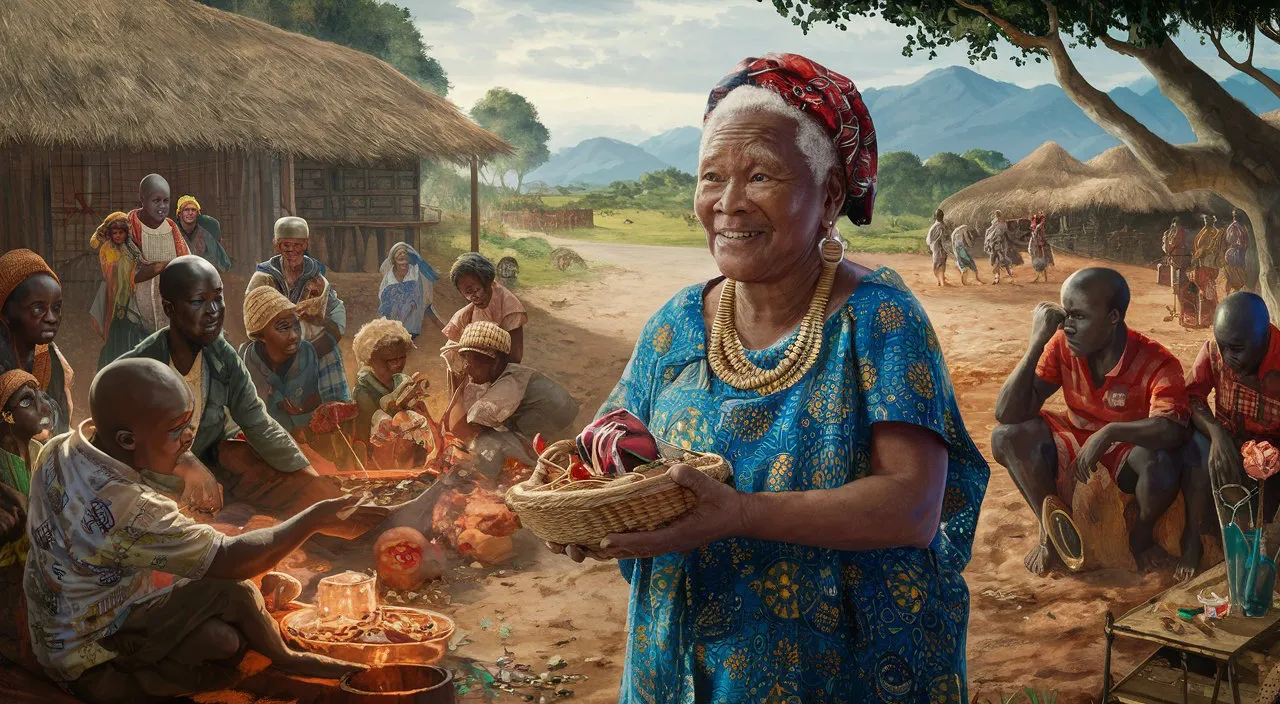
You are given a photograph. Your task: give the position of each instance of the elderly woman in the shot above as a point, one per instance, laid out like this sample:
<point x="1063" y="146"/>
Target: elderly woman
<point x="302" y="279"/>
<point x="30" y="314"/>
<point x="406" y="293"/>
<point x="830" y="570"/>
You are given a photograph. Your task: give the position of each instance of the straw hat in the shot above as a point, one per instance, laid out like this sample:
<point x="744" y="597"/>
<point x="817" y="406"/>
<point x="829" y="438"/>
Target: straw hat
<point x="261" y="306"/>
<point x="486" y="338"/>
<point x="291" y="227"/>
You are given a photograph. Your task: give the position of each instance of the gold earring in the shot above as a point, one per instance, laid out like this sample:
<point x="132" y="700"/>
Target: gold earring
<point x="8" y="417"/>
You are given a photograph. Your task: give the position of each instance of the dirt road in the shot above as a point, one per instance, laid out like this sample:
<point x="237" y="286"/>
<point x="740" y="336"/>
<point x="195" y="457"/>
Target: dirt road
<point x="582" y="333"/>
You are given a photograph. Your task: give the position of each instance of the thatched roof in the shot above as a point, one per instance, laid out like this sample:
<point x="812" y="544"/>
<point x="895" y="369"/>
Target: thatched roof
<point x="177" y="75"/>
<point x="1051" y="180"/>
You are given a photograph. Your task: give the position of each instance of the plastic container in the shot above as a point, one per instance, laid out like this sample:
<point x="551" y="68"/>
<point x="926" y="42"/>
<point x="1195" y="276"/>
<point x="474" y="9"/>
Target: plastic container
<point x="1215" y="606"/>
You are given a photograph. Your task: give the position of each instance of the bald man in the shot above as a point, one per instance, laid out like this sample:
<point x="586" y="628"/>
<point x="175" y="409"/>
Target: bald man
<point x="1240" y="364"/>
<point x="266" y="469"/>
<point x="159" y="239"/>
<point x="1127" y="410"/>
<point x="99" y="624"/>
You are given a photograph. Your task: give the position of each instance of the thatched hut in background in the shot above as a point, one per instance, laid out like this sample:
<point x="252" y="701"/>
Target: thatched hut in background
<point x="254" y="121"/>
<point x="1110" y="207"/>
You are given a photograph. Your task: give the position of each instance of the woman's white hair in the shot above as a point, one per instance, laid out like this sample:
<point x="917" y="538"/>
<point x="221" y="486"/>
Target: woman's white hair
<point x="813" y="142"/>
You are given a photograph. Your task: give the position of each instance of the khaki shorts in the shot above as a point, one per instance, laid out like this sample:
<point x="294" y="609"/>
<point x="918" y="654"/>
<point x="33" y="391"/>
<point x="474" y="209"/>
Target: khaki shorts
<point x="150" y="633"/>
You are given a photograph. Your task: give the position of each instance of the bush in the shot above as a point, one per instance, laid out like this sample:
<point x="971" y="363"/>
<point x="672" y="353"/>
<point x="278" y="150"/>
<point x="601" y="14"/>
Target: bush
<point x="524" y="202"/>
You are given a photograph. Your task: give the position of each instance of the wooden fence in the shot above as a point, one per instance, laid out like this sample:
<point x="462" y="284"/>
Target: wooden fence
<point x="547" y="220"/>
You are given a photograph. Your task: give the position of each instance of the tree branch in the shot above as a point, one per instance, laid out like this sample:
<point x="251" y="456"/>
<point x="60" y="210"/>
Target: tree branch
<point x="1270" y="31"/>
<point x="1246" y="67"/>
<point x="1166" y="160"/>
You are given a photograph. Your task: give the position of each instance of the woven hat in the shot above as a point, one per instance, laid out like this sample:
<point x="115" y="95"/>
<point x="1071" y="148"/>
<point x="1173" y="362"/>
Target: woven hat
<point x="187" y="200"/>
<point x="11" y="381"/>
<point x="486" y="338"/>
<point x="261" y="306"/>
<point x="291" y="227"/>
<point x="16" y="266"/>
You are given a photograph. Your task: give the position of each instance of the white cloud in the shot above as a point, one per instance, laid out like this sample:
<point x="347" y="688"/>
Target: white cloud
<point x="646" y="66"/>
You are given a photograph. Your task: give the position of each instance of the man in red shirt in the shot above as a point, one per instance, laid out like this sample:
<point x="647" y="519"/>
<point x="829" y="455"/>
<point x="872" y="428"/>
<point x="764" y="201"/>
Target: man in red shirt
<point x="1240" y="364"/>
<point x="1127" y="409"/>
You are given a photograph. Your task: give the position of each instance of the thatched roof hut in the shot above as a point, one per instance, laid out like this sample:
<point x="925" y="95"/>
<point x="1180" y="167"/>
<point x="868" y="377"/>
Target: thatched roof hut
<point x="96" y="93"/>
<point x="1087" y="204"/>
<point x="136" y="75"/>
<point x="1051" y="180"/>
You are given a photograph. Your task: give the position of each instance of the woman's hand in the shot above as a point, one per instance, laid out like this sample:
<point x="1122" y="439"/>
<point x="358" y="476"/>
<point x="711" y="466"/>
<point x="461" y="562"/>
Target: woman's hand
<point x="719" y="514"/>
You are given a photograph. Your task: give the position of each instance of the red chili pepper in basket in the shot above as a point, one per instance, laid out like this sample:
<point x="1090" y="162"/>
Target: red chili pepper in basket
<point x="539" y="445"/>
<point x="578" y="470"/>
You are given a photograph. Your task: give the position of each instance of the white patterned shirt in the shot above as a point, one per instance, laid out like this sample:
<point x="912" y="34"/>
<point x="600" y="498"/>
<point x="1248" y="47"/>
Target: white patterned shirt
<point x="157" y="246"/>
<point x="97" y="535"/>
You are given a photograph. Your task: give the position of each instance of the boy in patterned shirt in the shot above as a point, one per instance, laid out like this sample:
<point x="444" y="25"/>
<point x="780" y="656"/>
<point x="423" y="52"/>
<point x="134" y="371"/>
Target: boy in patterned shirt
<point x="100" y="625"/>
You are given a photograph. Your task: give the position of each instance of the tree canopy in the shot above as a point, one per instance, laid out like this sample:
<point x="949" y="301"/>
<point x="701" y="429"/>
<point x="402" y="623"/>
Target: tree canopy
<point x="379" y="28"/>
<point x="1236" y="152"/>
<point x="908" y="186"/>
<point x="512" y="117"/>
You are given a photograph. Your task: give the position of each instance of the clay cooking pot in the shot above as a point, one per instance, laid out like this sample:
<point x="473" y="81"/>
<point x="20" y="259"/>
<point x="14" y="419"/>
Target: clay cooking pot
<point x="419" y="684"/>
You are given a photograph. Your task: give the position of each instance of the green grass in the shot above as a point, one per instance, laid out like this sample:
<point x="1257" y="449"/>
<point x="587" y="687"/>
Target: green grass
<point x="559" y="201"/>
<point x="452" y="237"/>
<point x="648" y="227"/>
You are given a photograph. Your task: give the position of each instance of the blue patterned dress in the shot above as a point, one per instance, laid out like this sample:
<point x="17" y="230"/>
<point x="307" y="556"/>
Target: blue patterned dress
<point x="754" y="621"/>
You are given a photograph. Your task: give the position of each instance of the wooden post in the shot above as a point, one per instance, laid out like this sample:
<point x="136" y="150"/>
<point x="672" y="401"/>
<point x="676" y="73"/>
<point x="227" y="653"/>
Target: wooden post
<point x="287" y="190"/>
<point x="475" y="204"/>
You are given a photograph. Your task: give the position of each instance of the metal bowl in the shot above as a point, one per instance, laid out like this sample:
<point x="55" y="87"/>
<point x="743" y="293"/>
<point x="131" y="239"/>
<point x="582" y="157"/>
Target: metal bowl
<point x="427" y="652"/>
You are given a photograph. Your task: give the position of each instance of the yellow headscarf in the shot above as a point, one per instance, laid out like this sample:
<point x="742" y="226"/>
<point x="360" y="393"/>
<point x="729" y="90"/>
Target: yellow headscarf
<point x="103" y="233"/>
<point x="185" y="200"/>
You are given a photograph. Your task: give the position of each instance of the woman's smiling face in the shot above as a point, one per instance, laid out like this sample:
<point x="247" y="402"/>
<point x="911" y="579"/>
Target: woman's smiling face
<point x="757" y="197"/>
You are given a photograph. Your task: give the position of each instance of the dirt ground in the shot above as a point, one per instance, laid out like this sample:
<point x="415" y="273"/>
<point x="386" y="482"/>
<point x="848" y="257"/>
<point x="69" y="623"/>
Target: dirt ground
<point x="582" y="333"/>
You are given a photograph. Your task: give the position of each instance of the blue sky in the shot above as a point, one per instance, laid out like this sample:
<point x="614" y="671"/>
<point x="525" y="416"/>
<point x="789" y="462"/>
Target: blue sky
<point x="631" y="69"/>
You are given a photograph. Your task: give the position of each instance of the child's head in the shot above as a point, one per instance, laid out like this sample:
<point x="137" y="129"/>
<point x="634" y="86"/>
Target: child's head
<point x="271" y="318"/>
<point x="473" y="274"/>
<point x="142" y="413"/>
<point x="23" y="409"/>
<point x="383" y="346"/>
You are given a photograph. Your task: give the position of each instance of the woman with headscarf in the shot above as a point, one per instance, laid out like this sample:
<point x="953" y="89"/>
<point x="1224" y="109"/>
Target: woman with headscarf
<point x="831" y="569"/>
<point x="999" y="249"/>
<point x="964" y="239"/>
<point x="30" y="314"/>
<point x="1039" y="249"/>
<point x="115" y="309"/>
<point x="475" y="277"/>
<point x="406" y="293"/>
<point x="201" y="233"/>
<point x="302" y="280"/>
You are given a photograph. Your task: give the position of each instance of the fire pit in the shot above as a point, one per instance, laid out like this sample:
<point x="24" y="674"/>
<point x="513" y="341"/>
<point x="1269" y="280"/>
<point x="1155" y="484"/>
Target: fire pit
<point x="347" y="623"/>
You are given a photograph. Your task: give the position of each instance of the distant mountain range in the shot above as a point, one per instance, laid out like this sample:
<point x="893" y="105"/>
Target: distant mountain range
<point x="951" y="109"/>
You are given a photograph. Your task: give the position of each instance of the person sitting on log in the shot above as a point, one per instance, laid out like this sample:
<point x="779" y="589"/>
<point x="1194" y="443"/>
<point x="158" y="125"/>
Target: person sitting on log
<point x="288" y="373"/>
<point x="502" y="405"/>
<point x="1240" y="364"/>
<point x="100" y="626"/>
<point x="1127" y="410"/>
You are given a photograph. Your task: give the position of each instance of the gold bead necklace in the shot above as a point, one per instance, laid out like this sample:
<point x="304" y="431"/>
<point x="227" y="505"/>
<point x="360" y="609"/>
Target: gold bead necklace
<point x="727" y="355"/>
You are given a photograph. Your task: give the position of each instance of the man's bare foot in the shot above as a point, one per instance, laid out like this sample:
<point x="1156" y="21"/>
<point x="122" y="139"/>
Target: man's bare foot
<point x="1037" y="561"/>
<point x="1189" y="563"/>
<point x="318" y="666"/>
<point x="1154" y="558"/>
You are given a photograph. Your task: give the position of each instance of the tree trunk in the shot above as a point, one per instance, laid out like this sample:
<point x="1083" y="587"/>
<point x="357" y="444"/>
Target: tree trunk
<point x="1264" y="215"/>
<point x="519" y="181"/>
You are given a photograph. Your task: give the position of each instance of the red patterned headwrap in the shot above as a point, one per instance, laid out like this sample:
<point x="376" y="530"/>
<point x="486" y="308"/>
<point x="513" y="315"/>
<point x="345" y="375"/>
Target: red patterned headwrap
<point x="829" y="98"/>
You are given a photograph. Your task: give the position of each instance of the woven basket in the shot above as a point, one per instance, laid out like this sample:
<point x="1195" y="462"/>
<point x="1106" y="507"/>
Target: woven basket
<point x="593" y="509"/>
